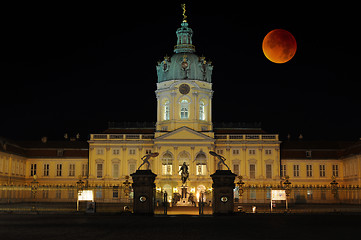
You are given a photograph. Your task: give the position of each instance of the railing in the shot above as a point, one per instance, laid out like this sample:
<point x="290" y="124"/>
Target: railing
<point x="237" y="137"/>
<point x="121" y="136"/>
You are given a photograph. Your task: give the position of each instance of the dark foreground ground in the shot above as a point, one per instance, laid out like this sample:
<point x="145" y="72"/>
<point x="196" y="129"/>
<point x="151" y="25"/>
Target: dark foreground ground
<point x="247" y="226"/>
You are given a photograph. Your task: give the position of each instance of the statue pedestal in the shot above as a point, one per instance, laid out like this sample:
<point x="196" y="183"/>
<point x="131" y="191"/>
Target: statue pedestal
<point x="184" y="192"/>
<point x="223" y="185"/>
<point x="144" y="192"/>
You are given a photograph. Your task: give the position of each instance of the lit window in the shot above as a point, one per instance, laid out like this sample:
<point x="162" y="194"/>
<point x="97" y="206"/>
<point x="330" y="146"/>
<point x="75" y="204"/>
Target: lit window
<point x="167" y="163"/>
<point x="202" y="113"/>
<point x="184" y="109"/>
<point x="201" y="164"/>
<point x="131" y="151"/>
<point x="166" y="110"/>
<point x="116" y="151"/>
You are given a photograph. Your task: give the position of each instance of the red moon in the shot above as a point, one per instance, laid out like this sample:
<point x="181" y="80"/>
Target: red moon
<point x="279" y="46"/>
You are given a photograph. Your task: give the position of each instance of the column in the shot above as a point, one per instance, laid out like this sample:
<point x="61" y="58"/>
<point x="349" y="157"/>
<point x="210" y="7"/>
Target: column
<point x="262" y="167"/>
<point x="244" y="171"/>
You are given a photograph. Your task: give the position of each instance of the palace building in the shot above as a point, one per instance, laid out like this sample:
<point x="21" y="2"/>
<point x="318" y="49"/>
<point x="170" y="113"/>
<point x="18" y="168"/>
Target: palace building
<point x="183" y="132"/>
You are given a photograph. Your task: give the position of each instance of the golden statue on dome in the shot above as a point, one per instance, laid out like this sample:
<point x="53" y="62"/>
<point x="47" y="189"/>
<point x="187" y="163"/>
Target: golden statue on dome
<point x="184" y="12"/>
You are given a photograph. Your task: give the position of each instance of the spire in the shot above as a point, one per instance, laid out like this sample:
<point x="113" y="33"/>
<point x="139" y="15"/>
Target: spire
<point x="184" y="35"/>
<point x="184" y="12"/>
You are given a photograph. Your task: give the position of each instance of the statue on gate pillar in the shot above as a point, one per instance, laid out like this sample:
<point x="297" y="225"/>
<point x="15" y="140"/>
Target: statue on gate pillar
<point x="145" y="159"/>
<point x="221" y="160"/>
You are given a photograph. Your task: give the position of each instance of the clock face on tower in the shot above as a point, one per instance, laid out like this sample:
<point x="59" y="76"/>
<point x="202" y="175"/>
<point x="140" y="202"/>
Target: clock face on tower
<point x="184" y="88"/>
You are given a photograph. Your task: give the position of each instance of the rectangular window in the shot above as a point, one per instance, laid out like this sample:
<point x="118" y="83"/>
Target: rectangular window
<point x="309" y="170"/>
<point x="201" y="169"/>
<point x="268" y="171"/>
<point x="33" y="169"/>
<point x="60" y="152"/>
<point x="252" y="171"/>
<point x="98" y="192"/>
<point x="322" y="170"/>
<point x="252" y="152"/>
<point x="115" y="170"/>
<point x="58" y="194"/>
<point x="59" y="168"/>
<point x="99" y="170"/>
<point x="131" y="151"/>
<point x="268" y="152"/>
<point x="131" y="168"/>
<point x="235" y="151"/>
<point x="84" y="170"/>
<point x="46" y="170"/>
<point x="116" y="151"/>
<point x="72" y="170"/>
<point x="147" y="151"/>
<point x="236" y="169"/>
<point x="283" y="170"/>
<point x="115" y="192"/>
<point x="71" y="194"/>
<point x="252" y="194"/>
<point x="335" y="170"/>
<point x="220" y="152"/>
<point x="296" y="170"/>
<point x="166" y="169"/>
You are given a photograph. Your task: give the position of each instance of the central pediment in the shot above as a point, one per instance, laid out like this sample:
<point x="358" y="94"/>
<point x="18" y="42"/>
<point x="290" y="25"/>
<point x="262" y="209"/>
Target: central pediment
<point x="184" y="133"/>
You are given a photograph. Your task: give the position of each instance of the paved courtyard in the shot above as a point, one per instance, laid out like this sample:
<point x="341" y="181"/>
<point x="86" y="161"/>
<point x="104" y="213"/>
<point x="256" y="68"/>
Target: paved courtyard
<point x="248" y="226"/>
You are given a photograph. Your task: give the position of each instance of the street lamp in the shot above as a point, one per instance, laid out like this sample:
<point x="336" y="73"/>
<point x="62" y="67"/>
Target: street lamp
<point x="286" y="185"/>
<point x="334" y="187"/>
<point x="34" y="189"/>
<point x="240" y="184"/>
<point x="126" y="186"/>
<point x="80" y="183"/>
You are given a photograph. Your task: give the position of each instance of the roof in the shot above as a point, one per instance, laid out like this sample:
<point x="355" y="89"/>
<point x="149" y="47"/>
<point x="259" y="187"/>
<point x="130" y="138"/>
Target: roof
<point x="319" y="149"/>
<point x="54" y="149"/>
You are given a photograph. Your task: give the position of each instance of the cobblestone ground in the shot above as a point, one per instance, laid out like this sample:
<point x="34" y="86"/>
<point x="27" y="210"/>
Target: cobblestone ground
<point x="247" y="226"/>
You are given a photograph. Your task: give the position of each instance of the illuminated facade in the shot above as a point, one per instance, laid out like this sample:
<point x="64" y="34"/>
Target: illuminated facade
<point x="184" y="132"/>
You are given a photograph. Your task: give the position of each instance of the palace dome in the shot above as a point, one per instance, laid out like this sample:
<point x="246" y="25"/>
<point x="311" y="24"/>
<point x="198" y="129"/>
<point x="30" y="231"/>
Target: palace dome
<point x="184" y="64"/>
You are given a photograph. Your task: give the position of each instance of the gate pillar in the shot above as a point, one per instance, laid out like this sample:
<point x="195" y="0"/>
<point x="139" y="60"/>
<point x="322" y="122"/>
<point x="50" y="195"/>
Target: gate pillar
<point x="223" y="185"/>
<point x="144" y="192"/>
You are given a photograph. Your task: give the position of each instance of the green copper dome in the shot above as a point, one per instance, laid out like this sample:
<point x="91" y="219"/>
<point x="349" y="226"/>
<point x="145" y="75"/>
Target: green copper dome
<point x="184" y="64"/>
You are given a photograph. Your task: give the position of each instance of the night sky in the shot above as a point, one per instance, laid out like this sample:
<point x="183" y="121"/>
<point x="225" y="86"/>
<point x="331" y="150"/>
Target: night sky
<point x="72" y="68"/>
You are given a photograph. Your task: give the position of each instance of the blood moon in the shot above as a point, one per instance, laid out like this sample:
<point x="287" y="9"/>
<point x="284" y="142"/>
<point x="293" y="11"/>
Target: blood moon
<point x="279" y="46"/>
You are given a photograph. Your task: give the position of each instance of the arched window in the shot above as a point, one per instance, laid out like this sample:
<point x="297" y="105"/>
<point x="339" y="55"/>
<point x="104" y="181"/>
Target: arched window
<point x="167" y="163"/>
<point x="166" y="110"/>
<point x="202" y="111"/>
<point x="184" y="109"/>
<point x="201" y="164"/>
